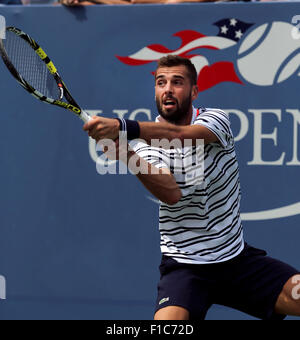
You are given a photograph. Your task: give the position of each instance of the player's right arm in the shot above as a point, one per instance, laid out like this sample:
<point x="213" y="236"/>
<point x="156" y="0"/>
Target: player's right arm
<point x="159" y="181"/>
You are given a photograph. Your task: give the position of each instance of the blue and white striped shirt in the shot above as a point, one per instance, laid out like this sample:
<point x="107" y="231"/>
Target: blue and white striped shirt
<point x="205" y="225"/>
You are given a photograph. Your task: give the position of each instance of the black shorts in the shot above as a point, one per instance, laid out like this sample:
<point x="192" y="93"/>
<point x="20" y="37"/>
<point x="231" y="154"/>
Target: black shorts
<point x="251" y="283"/>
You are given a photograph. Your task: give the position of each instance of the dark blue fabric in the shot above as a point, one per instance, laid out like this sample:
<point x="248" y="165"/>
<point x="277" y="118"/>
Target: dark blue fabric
<point x="250" y="283"/>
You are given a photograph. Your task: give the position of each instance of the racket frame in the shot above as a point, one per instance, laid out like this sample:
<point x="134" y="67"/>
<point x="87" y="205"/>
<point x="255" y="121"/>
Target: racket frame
<point x="71" y="105"/>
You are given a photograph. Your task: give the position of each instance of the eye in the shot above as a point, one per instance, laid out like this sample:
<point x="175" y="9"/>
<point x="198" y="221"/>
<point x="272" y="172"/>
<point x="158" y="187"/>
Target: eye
<point x="178" y="82"/>
<point x="160" y="82"/>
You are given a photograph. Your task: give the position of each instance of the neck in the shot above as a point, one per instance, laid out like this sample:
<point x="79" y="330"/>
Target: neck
<point x="183" y="122"/>
<point x="187" y="119"/>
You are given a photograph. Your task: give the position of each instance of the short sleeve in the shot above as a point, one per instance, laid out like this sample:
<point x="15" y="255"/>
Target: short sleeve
<point x="154" y="156"/>
<point x="218" y="122"/>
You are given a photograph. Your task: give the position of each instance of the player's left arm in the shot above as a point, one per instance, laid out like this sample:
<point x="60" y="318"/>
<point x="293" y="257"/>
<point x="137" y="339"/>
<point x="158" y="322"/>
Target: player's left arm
<point x="150" y="131"/>
<point x="104" y="128"/>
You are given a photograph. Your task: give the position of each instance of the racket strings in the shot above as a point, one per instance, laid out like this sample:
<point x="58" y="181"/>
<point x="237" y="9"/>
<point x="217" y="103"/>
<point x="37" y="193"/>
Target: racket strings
<point x="30" y="66"/>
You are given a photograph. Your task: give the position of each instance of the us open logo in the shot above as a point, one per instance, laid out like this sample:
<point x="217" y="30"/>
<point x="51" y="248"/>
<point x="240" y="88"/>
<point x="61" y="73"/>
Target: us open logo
<point x="255" y="62"/>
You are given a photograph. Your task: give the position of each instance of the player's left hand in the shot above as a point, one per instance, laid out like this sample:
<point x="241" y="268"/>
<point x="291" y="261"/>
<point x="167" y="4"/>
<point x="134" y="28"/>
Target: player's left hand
<point x="100" y="128"/>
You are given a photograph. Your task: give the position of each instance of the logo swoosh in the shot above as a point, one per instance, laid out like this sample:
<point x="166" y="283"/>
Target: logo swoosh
<point x="287" y="211"/>
<point x="272" y="214"/>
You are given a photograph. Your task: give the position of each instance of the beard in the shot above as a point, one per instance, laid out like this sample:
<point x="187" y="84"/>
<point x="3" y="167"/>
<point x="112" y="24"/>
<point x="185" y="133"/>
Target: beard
<point x="175" y="116"/>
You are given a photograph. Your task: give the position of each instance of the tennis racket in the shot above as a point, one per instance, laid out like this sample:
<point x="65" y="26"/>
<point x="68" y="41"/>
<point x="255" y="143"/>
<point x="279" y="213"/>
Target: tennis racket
<point x="35" y="72"/>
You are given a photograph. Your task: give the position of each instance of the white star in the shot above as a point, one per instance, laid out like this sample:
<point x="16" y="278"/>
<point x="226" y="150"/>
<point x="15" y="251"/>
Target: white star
<point x="224" y="29"/>
<point x="233" y="22"/>
<point x="238" y="34"/>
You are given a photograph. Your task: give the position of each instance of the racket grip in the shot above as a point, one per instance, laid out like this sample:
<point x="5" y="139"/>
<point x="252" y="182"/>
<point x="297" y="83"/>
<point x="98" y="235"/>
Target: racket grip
<point x="85" y="116"/>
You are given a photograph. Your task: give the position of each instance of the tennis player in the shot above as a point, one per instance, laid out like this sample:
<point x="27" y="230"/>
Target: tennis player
<point x="205" y="259"/>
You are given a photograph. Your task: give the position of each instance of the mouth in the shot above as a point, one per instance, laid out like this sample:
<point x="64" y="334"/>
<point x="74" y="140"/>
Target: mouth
<point x="169" y="103"/>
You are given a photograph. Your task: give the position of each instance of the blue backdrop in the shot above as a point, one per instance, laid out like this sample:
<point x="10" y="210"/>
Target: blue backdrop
<point x="78" y="245"/>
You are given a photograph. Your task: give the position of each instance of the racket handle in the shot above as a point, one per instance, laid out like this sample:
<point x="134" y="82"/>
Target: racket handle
<point x="85" y="116"/>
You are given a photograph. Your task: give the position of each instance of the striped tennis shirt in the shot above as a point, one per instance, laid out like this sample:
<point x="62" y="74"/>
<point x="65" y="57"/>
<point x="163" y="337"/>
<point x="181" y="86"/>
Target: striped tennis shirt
<point x="205" y="225"/>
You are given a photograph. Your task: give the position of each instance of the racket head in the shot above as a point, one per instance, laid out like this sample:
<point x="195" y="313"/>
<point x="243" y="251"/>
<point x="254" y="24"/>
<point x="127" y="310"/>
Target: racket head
<point x="35" y="72"/>
<point x="30" y="66"/>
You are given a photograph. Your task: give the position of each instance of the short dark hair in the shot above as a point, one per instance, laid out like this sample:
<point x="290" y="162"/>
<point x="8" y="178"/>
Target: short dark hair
<point x="174" y="60"/>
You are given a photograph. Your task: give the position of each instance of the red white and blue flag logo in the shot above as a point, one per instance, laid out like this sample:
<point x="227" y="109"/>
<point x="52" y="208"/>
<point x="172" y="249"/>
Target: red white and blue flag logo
<point x="265" y="53"/>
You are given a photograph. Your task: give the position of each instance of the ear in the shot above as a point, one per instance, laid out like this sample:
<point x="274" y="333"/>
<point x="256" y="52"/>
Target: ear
<point x="195" y="92"/>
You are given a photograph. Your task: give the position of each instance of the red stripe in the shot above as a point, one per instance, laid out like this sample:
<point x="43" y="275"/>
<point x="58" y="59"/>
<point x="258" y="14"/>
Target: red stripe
<point x="133" y="62"/>
<point x="217" y="73"/>
<point x="188" y="36"/>
<point x="159" y="48"/>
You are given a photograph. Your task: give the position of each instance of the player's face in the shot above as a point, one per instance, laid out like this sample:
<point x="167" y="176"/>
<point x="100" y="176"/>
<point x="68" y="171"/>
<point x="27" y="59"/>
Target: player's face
<point x="174" y="93"/>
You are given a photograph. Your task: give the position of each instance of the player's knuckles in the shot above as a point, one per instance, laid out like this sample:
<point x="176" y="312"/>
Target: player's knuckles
<point x="99" y="128"/>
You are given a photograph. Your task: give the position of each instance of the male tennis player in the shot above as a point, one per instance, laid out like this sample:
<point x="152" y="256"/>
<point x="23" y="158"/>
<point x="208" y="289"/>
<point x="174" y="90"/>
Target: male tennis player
<point x="205" y="259"/>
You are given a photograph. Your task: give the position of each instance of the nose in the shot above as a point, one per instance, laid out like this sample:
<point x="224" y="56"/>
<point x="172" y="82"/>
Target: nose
<point x="168" y="88"/>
